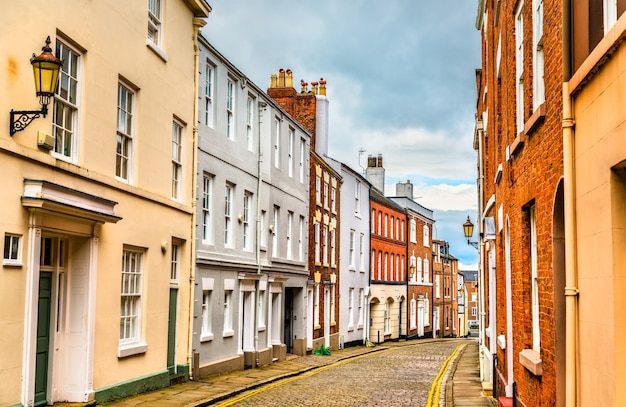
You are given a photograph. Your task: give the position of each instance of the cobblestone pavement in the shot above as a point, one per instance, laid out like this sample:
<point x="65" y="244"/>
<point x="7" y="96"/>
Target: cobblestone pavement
<point x="398" y="376"/>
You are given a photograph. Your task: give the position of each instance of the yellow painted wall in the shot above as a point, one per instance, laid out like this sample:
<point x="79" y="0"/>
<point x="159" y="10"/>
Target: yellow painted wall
<point x="600" y="144"/>
<point x="113" y="37"/>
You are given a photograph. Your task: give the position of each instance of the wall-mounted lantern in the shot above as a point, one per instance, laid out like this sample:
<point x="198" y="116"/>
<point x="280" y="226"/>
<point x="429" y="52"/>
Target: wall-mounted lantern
<point x="468" y="231"/>
<point x="46" y="69"/>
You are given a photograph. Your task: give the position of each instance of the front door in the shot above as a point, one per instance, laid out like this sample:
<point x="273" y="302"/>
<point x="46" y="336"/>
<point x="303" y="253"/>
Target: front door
<point x="288" y="323"/>
<point x="43" y="338"/>
<point x="171" y="331"/>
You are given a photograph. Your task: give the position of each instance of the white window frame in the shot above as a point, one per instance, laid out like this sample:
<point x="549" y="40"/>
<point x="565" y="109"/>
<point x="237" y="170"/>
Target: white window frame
<point x="228" y="314"/>
<point x="301" y="238"/>
<point x="413" y="231"/>
<point x="426" y="270"/>
<point x="333" y="199"/>
<point x="534" y="288"/>
<point x="125" y="133"/>
<point x="413" y="314"/>
<point x="318" y="190"/>
<point x="519" y="67"/>
<point x="426" y="236"/>
<point x="131" y="303"/>
<point x="609" y="8"/>
<point x="263" y="228"/>
<point x="206" y="330"/>
<point x="357" y="198"/>
<point x="350" y="309"/>
<point x="325" y="245"/>
<point x="302" y="158"/>
<point x="209" y="79"/>
<point x="275" y="231"/>
<point x="290" y="162"/>
<point x="207" y="192"/>
<point x="155" y="11"/>
<point x="12" y="250"/>
<point x="289" y="235"/>
<point x="361" y="308"/>
<point x="250" y="123"/>
<point x="387" y="318"/>
<point x="175" y="257"/>
<point x="177" y="160"/>
<point x="352" y="257"/>
<point x="245" y="220"/>
<point x="333" y="250"/>
<point x="316" y="236"/>
<point x="539" y="92"/>
<point x="362" y="252"/>
<point x="230" y="109"/>
<point x="276" y="142"/>
<point x="67" y="100"/>
<point x="316" y="307"/>
<point x="228" y="212"/>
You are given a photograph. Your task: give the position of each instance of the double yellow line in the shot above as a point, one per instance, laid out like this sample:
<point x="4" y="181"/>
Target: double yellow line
<point x="433" y="394"/>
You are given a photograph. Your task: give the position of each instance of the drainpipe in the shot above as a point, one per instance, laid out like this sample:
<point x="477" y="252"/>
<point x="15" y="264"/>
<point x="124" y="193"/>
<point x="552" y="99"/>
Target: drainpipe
<point x="571" y="272"/>
<point x="481" y="250"/>
<point x="197" y="24"/>
<point x="569" y="187"/>
<point x="261" y="107"/>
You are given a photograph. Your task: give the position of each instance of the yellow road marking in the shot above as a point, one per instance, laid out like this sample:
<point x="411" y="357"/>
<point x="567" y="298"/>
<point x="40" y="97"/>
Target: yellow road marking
<point x="433" y="394"/>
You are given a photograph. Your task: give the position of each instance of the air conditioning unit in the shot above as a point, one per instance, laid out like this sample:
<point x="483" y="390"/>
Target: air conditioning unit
<point x="45" y="140"/>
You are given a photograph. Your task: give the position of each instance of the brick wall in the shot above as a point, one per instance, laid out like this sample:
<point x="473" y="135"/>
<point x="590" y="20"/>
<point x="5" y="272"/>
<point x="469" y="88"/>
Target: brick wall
<point x="531" y="176"/>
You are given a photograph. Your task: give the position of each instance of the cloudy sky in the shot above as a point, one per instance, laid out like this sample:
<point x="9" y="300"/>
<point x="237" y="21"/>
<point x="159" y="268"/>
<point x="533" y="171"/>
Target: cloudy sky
<point x="400" y="81"/>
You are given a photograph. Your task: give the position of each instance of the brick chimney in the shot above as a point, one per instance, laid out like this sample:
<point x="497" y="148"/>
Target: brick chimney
<point x="309" y="107"/>
<point x="375" y="172"/>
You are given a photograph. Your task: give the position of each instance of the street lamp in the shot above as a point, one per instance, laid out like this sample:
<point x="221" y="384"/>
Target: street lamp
<point x="46" y="71"/>
<point x="468" y="231"/>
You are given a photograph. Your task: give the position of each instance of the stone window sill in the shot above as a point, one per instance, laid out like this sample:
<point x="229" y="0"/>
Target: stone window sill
<point x="531" y="360"/>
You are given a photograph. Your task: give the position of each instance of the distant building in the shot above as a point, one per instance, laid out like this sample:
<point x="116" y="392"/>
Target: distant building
<point x="419" y="221"/>
<point x="388" y="272"/>
<point x="445" y="286"/>
<point x="354" y="263"/>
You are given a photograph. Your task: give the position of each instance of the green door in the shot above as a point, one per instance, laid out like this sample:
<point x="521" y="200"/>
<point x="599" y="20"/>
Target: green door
<point x="43" y="338"/>
<point x="171" y="331"/>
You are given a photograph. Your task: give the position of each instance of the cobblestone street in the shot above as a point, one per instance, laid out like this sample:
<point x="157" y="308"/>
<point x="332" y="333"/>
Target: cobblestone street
<point x="398" y="376"/>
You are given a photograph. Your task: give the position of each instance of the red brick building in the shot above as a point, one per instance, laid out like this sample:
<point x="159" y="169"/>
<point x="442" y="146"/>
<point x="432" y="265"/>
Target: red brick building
<point x="310" y="108"/>
<point x="520" y="146"/>
<point x="445" y="291"/>
<point x="388" y="266"/>
<point x="419" y="221"/>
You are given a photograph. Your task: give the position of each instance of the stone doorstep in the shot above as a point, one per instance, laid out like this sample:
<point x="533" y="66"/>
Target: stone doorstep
<point x="487" y="389"/>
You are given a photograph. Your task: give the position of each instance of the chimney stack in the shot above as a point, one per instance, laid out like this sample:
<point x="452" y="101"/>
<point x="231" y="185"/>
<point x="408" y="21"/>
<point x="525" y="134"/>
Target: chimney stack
<point x="375" y="172"/>
<point x="404" y="189"/>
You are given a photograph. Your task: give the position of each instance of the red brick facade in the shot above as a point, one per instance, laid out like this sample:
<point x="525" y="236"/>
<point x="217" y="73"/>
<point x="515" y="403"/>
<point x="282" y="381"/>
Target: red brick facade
<point x="324" y="213"/>
<point x="523" y="170"/>
<point x="388" y="265"/>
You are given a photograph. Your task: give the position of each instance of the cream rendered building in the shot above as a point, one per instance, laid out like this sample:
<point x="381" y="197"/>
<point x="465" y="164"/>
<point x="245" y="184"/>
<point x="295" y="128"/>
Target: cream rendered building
<point x="594" y="280"/>
<point x="97" y="199"/>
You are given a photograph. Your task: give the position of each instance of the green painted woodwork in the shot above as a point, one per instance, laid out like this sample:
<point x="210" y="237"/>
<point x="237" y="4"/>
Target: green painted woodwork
<point x="43" y="338"/>
<point x="171" y="331"/>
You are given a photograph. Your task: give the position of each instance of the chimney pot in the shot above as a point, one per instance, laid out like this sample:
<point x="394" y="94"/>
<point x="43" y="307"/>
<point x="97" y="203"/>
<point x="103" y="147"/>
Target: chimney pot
<point x="371" y="161"/>
<point x="380" y="160"/>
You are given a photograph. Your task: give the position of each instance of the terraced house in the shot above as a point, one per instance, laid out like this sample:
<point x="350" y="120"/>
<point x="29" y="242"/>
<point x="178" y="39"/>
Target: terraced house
<point x="252" y="224"/>
<point x="96" y="290"/>
<point x="388" y="272"/>
<point x="310" y="108"/>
